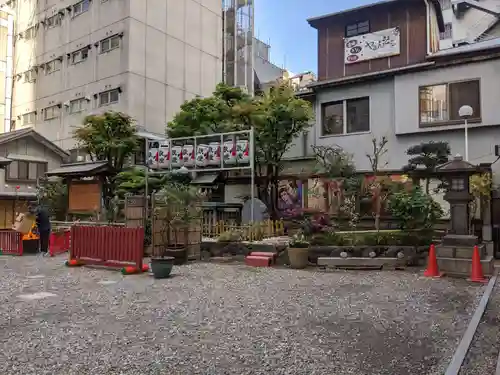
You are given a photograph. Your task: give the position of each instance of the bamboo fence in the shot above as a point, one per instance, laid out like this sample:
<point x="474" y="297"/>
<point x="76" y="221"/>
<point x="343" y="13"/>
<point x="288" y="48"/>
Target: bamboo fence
<point x="246" y="232"/>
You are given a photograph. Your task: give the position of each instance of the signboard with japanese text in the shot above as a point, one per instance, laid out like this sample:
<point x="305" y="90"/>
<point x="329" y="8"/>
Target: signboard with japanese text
<point x="84" y="196"/>
<point x="371" y="46"/>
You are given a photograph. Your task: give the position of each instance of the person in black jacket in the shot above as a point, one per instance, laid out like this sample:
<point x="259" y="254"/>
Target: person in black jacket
<point x="43" y="225"/>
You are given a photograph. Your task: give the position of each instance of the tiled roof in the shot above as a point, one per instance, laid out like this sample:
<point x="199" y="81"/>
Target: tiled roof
<point x="435" y="3"/>
<point x="80" y="169"/>
<point x="21" y="133"/>
<point x="473" y="47"/>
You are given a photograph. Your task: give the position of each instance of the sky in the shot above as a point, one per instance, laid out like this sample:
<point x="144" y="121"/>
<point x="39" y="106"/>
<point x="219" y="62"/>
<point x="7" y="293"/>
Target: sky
<point x="282" y="24"/>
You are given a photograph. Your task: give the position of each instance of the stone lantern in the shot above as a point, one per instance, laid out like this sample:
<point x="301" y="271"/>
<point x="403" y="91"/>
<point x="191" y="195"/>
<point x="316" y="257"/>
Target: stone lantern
<point x="455" y="253"/>
<point x="457" y="173"/>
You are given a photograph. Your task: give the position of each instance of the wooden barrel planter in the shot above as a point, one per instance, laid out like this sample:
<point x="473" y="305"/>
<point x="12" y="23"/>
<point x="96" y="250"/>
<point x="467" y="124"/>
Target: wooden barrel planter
<point x="178" y="252"/>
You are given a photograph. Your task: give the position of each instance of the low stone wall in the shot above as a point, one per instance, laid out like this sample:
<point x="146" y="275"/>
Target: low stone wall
<point x="412" y="254"/>
<point x="213" y="249"/>
<point x="408" y="255"/>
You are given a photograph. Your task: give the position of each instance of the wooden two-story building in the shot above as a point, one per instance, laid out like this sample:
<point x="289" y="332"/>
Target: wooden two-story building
<point x="386" y="35"/>
<point x="381" y="73"/>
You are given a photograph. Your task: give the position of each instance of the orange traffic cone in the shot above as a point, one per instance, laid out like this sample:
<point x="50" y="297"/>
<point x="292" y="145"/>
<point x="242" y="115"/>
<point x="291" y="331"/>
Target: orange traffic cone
<point x="477" y="275"/>
<point x="432" y="264"/>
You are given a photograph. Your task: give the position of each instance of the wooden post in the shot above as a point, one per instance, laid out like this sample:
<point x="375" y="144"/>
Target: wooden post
<point x="153" y="224"/>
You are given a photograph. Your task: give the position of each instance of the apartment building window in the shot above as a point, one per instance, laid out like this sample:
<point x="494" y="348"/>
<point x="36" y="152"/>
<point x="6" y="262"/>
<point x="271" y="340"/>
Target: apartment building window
<point x="52" y="112"/>
<point x="77" y="155"/>
<point x="439" y="104"/>
<point x="447" y="33"/>
<point x="30" y="33"/>
<point x="53" y="21"/>
<point x="30" y="75"/>
<point x="52" y="66"/>
<point x="77" y="105"/>
<point x="345" y="117"/>
<point x="26" y="171"/>
<point x="73" y="155"/>
<point x="110" y="43"/>
<point x="445" y="4"/>
<point x="109" y="97"/>
<point x="79" y="56"/>
<point x="29" y="118"/>
<point x="358" y="28"/>
<point x="81" y="7"/>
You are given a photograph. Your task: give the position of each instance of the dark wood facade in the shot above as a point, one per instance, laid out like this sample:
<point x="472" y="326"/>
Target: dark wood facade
<point x="409" y="16"/>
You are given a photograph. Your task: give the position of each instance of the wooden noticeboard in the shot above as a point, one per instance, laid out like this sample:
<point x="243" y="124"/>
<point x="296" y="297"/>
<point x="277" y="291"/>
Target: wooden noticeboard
<point x="84" y="196"/>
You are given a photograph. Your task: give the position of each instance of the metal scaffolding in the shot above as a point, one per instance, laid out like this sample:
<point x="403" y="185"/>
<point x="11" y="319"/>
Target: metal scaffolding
<point x="238" y="29"/>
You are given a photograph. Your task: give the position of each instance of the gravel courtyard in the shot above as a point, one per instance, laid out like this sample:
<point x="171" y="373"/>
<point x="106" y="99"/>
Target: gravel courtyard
<point x="227" y="319"/>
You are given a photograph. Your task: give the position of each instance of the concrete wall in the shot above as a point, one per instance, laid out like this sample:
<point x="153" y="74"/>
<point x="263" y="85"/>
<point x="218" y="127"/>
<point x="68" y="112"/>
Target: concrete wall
<point x="170" y="52"/>
<point x="394" y="114"/>
<point x="472" y="24"/>
<point x="406" y="94"/>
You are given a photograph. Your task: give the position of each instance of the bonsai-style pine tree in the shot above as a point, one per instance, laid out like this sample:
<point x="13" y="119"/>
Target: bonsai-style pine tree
<point x="427" y="155"/>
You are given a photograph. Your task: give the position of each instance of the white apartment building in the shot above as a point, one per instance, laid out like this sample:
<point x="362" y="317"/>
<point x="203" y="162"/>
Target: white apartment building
<point x="469" y="21"/>
<point x="140" y="57"/>
<point x="6" y="60"/>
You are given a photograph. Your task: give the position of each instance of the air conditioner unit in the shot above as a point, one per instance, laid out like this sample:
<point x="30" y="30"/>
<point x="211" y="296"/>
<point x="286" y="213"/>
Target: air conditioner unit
<point x="66" y="104"/>
<point x="88" y="98"/>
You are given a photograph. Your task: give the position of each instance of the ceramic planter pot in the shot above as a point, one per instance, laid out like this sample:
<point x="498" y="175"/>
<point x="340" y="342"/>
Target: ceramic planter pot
<point x="162" y="267"/>
<point x="298" y="257"/>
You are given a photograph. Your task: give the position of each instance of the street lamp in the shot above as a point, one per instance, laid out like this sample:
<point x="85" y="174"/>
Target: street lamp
<point x="465" y="112"/>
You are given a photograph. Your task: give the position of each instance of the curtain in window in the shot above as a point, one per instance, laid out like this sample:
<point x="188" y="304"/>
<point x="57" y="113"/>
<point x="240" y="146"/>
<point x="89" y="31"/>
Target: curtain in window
<point x="464" y="93"/>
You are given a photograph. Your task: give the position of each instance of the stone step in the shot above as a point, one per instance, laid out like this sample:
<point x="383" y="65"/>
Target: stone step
<point x="254" y="261"/>
<point x="361" y="263"/>
<point x="273" y="256"/>
<point x="460" y="267"/>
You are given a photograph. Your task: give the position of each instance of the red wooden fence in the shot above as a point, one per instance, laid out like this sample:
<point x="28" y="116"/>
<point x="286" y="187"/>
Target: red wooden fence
<point x="59" y="242"/>
<point x="11" y="242"/>
<point x="107" y="246"/>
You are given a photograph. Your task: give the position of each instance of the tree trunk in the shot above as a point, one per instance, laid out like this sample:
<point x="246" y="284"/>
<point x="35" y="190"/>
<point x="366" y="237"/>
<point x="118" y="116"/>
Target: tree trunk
<point x="274" y="192"/>
<point x="378" y="207"/>
<point x="377" y="215"/>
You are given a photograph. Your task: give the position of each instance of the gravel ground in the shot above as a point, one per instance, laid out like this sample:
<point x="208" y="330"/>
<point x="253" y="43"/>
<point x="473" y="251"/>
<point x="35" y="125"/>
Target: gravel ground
<point x="483" y="353"/>
<point x="227" y="319"/>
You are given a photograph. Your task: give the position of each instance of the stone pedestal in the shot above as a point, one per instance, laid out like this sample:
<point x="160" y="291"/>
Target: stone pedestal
<point x="454" y="256"/>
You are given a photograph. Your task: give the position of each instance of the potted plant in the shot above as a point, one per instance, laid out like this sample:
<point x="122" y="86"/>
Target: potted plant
<point x="181" y="212"/>
<point x="161" y="266"/>
<point x="298" y="251"/>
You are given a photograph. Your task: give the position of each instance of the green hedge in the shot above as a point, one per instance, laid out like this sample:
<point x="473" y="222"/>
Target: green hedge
<point x="374" y="238"/>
